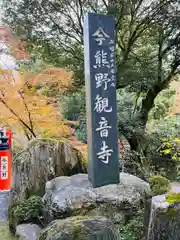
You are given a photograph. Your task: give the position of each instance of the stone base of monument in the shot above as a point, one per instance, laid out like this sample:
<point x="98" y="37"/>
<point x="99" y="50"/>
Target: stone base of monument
<point x="70" y="196"/>
<point x="73" y="208"/>
<point x="164" y="218"/>
<point x="72" y="201"/>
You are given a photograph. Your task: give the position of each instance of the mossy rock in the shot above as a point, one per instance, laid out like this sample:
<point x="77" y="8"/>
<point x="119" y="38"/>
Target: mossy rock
<point x="30" y="210"/>
<point x="159" y="185"/>
<point x="41" y="161"/>
<point x="173" y="198"/>
<point x="80" y="228"/>
<point x="166" y="223"/>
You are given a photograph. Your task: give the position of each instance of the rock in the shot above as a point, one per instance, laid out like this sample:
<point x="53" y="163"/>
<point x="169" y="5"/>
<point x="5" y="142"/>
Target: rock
<point x="27" y="231"/>
<point x="80" y="228"/>
<point x="164" y="222"/>
<point x="72" y="196"/>
<point x="41" y="161"/>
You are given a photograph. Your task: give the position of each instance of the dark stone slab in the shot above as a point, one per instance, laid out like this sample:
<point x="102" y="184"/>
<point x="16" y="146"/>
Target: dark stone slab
<point x="100" y="76"/>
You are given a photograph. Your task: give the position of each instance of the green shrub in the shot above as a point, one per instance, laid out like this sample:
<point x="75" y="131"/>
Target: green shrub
<point x="170" y="148"/>
<point x="159" y="185"/>
<point x="133" y="230"/>
<point x="74" y="106"/>
<point x="30" y="210"/>
<point x="168" y="127"/>
<point x="81" y="131"/>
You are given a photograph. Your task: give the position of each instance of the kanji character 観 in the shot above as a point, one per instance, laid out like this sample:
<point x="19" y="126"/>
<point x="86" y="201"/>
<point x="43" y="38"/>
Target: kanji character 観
<point x="103" y="127"/>
<point x="102" y="105"/>
<point x="105" y="153"/>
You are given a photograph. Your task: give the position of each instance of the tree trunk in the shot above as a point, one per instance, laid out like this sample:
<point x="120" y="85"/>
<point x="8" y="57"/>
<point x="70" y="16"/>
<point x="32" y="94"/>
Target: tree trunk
<point x="147" y="105"/>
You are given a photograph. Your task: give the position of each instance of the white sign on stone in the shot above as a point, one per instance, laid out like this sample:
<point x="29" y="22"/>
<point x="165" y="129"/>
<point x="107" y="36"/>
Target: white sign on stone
<point x="103" y="127"/>
<point x="102" y="79"/>
<point x="101" y="59"/>
<point x="105" y="153"/>
<point x="100" y="36"/>
<point x="102" y="105"/>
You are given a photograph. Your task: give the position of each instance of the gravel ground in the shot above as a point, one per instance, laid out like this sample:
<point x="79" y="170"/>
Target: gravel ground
<point x="4" y="201"/>
<point x="4" y="231"/>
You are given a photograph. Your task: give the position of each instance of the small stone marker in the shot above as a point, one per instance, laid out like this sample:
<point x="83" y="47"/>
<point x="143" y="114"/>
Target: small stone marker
<point x="100" y="76"/>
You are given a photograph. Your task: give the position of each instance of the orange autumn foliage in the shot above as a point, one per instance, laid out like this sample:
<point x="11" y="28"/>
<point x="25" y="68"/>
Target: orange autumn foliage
<point x="52" y="80"/>
<point x="23" y="106"/>
<point x="29" y="111"/>
<point x="18" y="50"/>
<point x="6" y="76"/>
<point x="17" y="46"/>
<point x="54" y="75"/>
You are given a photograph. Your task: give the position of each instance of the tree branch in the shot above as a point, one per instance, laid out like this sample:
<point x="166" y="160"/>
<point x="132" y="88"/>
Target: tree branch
<point x="105" y="4"/>
<point x="20" y="120"/>
<point x="27" y="110"/>
<point x="61" y="29"/>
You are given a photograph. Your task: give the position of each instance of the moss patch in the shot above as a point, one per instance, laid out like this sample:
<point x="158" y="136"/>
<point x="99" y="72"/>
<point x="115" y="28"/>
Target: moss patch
<point x="81" y="157"/>
<point x="79" y="228"/>
<point x="159" y="185"/>
<point x="58" y="231"/>
<point x="173" y="197"/>
<point x="4" y="232"/>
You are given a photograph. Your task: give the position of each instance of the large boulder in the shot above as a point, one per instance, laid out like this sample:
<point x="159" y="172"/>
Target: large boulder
<point x="40" y="162"/>
<point x="80" y="228"/>
<point x="71" y="196"/>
